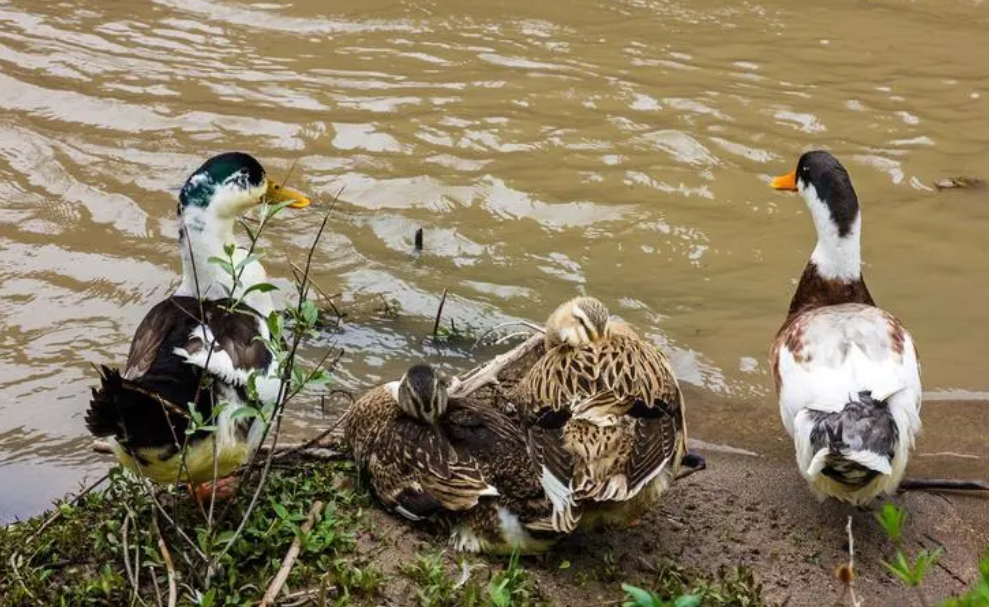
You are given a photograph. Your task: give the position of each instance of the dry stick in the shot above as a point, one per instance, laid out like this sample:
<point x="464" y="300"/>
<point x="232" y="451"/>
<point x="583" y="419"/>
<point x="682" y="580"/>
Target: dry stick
<point x="488" y="373"/>
<point x="154" y="580"/>
<point x="173" y="591"/>
<point x="849" y="581"/>
<point x="304" y="447"/>
<point x="511" y="323"/>
<point x="439" y="314"/>
<point x="293" y="552"/>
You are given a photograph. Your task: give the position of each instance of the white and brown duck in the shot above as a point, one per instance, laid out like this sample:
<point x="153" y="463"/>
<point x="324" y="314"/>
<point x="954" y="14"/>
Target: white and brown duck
<point x="846" y="371"/>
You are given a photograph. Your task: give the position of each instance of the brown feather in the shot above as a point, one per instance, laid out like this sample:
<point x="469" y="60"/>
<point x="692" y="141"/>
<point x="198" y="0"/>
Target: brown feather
<point x="627" y="421"/>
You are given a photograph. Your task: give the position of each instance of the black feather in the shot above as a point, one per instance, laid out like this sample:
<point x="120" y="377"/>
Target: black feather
<point x="150" y="410"/>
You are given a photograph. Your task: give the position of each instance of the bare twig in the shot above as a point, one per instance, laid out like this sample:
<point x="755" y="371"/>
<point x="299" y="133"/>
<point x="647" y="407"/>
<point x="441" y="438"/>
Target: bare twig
<point x="290" y="449"/>
<point x="846" y="573"/>
<point x="439" y="314"/>
<point x="173" y="591"/>
<point x="154" y="581"/>
<point x="488" y="373"/>
<point x="513" y="323"/>
<point x="58" y="511"/>
<point x="280" y="408"/>
<point x="293" y="552"/>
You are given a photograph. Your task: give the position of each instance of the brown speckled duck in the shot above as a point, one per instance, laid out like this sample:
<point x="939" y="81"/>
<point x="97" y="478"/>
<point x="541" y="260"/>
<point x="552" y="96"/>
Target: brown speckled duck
<point x="846" y="371"/>
<point x="457" y="462"/>
<point x="605" y="418"/>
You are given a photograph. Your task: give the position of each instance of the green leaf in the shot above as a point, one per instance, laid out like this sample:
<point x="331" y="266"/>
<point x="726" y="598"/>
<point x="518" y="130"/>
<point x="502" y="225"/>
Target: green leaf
<point x="310" y="314"/>
<point x="925" y="560"/>
<point x="228" y="248"/>
<point x="640" y="597"/>
<point x="251" y="235"/>
<point x="320" y="378"/>
<point x="262" y="287"/>
<point x="276" y="324"/>
<point x="901" y="568"/>
<point x="223" y="263"/>
<point x="245" y="411"/>
<point x="281" y="511"/>
<point x="892" y="519"/>
<point x="688" y="600"/>
<point x="247" y="260"/>
<point x="499" y="593"/>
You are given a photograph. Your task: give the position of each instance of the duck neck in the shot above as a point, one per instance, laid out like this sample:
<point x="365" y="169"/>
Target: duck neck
<point x="834" y="273"/>
<point x="202" y="236"/>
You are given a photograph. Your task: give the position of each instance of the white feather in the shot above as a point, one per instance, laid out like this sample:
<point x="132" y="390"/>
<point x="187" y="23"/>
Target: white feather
<point x="217" y="362"/>
<point x="561" y="496"/>
<point x="847" y="349"/>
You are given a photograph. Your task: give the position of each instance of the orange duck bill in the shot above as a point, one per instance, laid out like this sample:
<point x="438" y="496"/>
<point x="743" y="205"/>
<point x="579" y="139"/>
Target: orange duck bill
<point x="786" y="182"/>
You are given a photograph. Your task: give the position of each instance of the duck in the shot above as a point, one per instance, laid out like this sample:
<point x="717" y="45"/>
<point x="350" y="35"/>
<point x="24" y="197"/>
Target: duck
<point x="194" y="354"/>
<point x="846" y="372"/>
<point x="604" y="416"/>
<point x="454" y="463"/>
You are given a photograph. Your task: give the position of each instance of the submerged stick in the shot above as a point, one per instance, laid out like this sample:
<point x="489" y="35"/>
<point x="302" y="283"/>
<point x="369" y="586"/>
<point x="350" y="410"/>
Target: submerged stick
<point x="293" y="553"/>
<point x="439" y="314"/>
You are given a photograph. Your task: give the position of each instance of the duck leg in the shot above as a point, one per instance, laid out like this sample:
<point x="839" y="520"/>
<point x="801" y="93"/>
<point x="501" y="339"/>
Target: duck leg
<point x="224" y="488"/>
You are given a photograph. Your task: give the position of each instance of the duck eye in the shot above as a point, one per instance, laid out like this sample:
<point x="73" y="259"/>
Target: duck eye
<point x="278" y="187"/>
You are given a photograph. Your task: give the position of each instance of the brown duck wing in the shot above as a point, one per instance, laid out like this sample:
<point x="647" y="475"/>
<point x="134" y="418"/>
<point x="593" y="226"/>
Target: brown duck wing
<point x="658" y="443"/>
<point x="156" y="326"/>
<point x="414" y="467"/>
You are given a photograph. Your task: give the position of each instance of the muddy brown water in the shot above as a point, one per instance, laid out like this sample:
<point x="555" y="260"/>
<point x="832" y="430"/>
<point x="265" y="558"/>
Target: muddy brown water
<point x="616" y="147"/>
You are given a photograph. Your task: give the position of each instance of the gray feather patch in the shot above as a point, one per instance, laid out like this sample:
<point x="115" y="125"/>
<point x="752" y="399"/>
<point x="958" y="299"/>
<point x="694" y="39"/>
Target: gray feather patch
<point x="865" y="424"/>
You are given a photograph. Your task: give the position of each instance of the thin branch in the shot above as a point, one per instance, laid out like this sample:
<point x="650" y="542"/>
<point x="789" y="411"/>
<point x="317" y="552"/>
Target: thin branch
<point x="846" y="573"/>
<point x="439" y="314"/>
<point x="942" y="484"/>
<point x="313" y="441"/>
<point x="173" y="592"/>
<point x="58" y="511"/>
<point x="280" y="408"/>
<point x="512" y="323"/>
<point x="293" y="552"/>
<point x="132" y="573"/>
<point x="488" y="373"/>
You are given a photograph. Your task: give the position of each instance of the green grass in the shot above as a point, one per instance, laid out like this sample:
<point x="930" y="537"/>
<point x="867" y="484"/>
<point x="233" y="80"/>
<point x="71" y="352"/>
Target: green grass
<point x="678" y="586"/>
<point x="437" y="586"/>
<point x="79" y="559"/>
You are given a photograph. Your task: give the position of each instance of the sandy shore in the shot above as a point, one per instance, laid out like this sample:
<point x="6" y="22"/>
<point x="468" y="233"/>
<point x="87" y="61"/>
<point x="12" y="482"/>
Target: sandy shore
<point x="742" y="510"/>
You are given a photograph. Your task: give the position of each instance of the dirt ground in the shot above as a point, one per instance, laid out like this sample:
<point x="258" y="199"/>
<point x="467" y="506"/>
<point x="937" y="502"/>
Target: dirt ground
<point x="742" y="510"/>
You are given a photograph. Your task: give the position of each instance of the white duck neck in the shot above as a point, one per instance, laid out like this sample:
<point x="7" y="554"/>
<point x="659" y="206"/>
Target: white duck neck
<point x="836" y="256"/>
<point x="204" y="235"/>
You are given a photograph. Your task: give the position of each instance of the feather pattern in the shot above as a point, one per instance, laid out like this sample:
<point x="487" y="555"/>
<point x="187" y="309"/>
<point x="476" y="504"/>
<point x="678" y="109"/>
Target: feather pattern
<point x="605" y="420"/>
<point x="145" y="408"/>
<point x="469" y="471"/>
